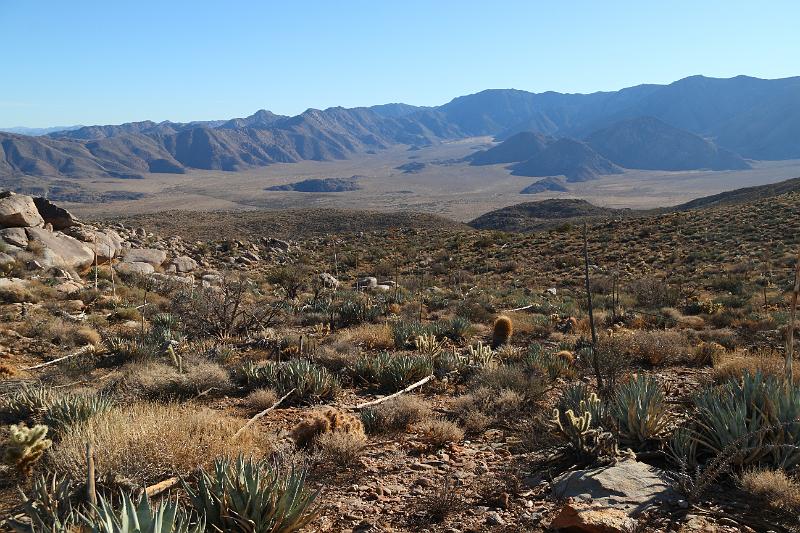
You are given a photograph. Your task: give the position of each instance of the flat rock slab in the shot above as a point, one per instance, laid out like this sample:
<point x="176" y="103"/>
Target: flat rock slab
<point x="61" y="250"/>
<point x="145" y="255"/>
<point x="629" y="485"/>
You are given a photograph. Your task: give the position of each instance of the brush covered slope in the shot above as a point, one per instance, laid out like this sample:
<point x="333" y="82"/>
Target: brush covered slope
<point x="569" y="158"/>
<point x="167" y="366"/>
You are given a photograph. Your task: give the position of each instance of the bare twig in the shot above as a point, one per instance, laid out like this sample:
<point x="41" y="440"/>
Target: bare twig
<point x="91" y="491"/>
<point x="262" y="413"/>
<point x="86" y="349"/>
<point x="161" y="486"/>
<point x="416" y="385"/>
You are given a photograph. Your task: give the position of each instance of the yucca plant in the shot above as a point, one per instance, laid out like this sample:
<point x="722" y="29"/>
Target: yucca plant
<point x="48" y="506"/>
<point x="391" y="371"/>
<point x="140" y="517"/>
<point x="640" y="411"/>
<point x="75" y="409"/>
<point x="248" y="496"/>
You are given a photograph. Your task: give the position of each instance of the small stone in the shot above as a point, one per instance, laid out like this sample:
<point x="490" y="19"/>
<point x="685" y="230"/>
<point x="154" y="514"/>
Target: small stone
<point x="494" y="519"/>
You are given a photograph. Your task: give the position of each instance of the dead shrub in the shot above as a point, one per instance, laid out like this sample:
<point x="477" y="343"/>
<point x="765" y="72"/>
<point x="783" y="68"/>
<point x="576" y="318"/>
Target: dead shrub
<point x="261" y="399"/>
<point x="340" y="447"/>
<point x="658" y="347"/>
<point x="325" y="420"/>
<point x="146" y="443"/>
<point x="437" y="432"/>
<point x="159" y="381"/>
<point x="773" y="487"/>
<point x="767" y="362"/>
<point x="708" y="354"/>
<point x="369" y="336"/>
<point x="401" y="413"/>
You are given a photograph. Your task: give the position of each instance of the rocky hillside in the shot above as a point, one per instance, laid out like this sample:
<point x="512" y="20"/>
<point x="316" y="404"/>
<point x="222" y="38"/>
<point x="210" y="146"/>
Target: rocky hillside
<point x="529" y="216"/>
<point x="567" y="157"/>
<point x="649" y="143"/>
<point x="518" y="147"/>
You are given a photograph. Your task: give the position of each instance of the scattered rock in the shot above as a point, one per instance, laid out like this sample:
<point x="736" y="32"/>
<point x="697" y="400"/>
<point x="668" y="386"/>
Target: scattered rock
<point x="328" y="281"/>
<point x="58" y="217"/>
<point x="136" y="267"/>
<point x="593" y="519"/>
<point x="367" y="283"/>
<point x="60" y="250"/>
<point x="184" y="264"/>
<point x="14" y="236"/>
<point x="152" y="256"/>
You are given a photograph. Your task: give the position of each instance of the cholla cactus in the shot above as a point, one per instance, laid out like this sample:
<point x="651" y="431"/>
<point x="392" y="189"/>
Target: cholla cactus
<point x="428" y="345"/>
<point x="480" y="355"/>
<point x="26" y="446"/>
<point x="585" y="440"/>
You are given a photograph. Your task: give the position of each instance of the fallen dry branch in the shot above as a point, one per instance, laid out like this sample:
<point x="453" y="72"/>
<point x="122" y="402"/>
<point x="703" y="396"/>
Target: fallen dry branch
<point x="262" y="413"/>
<point x="161" y="486"/>
<point x="418" y="384"/>
<point x="86" y="349"/>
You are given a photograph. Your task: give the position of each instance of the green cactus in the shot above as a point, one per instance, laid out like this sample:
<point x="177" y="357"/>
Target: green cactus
<point x="26" y="446"/>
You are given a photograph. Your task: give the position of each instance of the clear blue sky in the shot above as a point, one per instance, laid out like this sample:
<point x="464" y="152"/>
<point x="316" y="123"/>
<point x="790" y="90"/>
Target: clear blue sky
<point x="111" y="61"/>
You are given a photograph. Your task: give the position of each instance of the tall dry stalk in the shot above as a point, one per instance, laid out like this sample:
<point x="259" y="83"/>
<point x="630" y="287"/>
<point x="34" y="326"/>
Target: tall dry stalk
<point x="790" y="333"/>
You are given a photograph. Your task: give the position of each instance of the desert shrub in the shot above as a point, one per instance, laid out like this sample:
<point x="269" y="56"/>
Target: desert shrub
<point x="614" y="358"/>
<point x="510" y="377"/>
<point x="370" y="336"/>
<point x="773" y="487"/>
<point x="552" y="364"/>
<point x="325" y="420"/>
<point x="310" y="383"/>
<point x="659" y="347"/>
<point x="159" y="381"/>
<point x="261" y="399"/>
<point x="391" y="371"/>
<point x="291" y="279"/>
<point x="708" y="354"/>
<point x="249" y="496"/>
<point x="651" y="293"/>
<point x="75" y="409"/>
<point x="755" y="415"/>
<point x="768" y="363"/>
<point x="61" y="332"/>
<point x="640" y="411"/>
<point x="14" y="294"/>
<point x="397" y="414"/>
<point x="146" y="443"/>
<point x="123" y="314"/>
<point x="234" y="308"/>
<point x="340" y="448"/>
<point x="437" y="432"/>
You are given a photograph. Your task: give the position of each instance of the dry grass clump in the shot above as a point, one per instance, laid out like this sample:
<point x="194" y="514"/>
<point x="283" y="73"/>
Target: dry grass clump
<point x="400" y="413"/>
<point x="437" y="432"/>
<point x="340" y="447"/>
<point x="159" y="381"/>
<point x="15" y="294"/>
<point x="369" y="336"/>
<point x="767" y="362"/>
<point x="147" y="442"/>
<point x="708" y="353"/>
<point x="61" y="332"/>
<point x="774" y="487"/>
<point x="659" y="347"/>
<point x="327" y="420"/>
<point x="261" y="399"/>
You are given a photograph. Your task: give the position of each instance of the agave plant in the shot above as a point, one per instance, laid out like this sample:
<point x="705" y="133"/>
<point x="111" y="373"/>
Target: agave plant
<point x="578" y="399"/>
<point x="140" y="517"/>
<point x="311" y="383"/>
<point x="48" y="506"/>
<point x="29" y="401"/>
<point x="247" y="496"/>
<point x="640" y="410"/>
<point x="75" y="409"/>
<point x="758" y="415"/>
<point x="392" y="371"/>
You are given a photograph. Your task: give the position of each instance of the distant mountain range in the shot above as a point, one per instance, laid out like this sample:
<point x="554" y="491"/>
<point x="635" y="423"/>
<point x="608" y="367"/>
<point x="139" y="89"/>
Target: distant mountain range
<point x="21" y="130"/>
<point x="696" y="122"/>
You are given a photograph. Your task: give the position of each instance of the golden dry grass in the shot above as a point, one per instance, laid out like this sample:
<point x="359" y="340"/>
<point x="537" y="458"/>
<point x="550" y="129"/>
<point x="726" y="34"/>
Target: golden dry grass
<point x="773" y="487"/>
<point x="369" y="336"/>
<point x="146" y="443"/>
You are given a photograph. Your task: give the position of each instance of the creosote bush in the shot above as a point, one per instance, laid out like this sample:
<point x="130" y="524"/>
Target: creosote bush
<point x="437" y="432"/>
